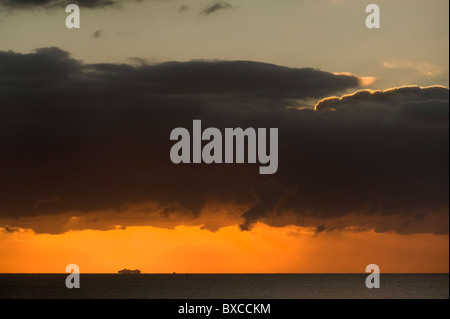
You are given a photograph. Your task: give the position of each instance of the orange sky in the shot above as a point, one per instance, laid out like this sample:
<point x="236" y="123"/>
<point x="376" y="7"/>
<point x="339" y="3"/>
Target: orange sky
<point x="190" y="249"/>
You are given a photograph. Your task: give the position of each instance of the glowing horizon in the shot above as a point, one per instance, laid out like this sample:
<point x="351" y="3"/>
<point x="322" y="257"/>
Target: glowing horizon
<point x="190" y="249"/>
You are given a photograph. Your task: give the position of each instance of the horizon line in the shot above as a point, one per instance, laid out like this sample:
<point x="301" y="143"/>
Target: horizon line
<point x="225" y="273"/>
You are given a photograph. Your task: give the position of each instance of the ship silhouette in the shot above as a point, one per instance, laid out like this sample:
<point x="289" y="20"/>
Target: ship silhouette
<point x="129" y="272"/>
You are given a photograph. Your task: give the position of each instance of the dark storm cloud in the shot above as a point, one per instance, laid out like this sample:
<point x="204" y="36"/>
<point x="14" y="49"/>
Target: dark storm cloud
<point x="31" y="4"/>
<point x="407" y="94"/>
<point x="184" y="8"/>
<point x="98" y="34"/>
<point x="10" y="229"/>
<point x="269" y="195"/>
<point x="211" y="80"/>
<point x="85" y="138"/>
<point x="242" y="79"/>
<point x="219" y="5"/>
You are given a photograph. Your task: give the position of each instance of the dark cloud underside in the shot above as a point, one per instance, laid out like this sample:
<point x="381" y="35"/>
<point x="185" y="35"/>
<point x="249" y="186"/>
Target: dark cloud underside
<point x="31" y="4"/>
<point x="219" y="5"/>
<point x="78" y="137"/>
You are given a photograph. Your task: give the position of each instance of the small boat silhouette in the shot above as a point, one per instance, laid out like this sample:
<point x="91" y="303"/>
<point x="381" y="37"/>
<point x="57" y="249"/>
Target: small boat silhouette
<point x="129" y="272"/>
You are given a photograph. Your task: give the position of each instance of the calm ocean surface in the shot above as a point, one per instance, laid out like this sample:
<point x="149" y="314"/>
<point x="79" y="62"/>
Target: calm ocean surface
<point x="200" y="286"/>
